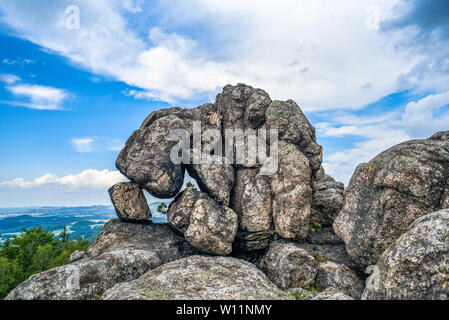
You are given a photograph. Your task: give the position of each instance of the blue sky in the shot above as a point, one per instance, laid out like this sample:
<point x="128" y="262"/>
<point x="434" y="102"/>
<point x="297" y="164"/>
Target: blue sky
<point x="368" y="74"/>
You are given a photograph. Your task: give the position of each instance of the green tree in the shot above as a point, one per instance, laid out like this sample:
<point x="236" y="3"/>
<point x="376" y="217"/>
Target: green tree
<point x="65" y="237"/>
<point x="189" y="184"/>
<point x="162" y="208"/>
<point x="10" y="272"/>
<point x="33" y="251"/>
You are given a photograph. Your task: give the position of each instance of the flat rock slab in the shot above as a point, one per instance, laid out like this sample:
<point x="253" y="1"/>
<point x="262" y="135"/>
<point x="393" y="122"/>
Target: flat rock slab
<point x="199" y="278"/>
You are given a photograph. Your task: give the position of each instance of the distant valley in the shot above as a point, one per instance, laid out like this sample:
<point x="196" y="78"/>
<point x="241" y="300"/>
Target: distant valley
<point x="84" y="222"/>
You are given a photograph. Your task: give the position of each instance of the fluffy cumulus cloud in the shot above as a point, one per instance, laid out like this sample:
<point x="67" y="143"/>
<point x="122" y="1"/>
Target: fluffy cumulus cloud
<point x="322" y="53"/>
<point x="328" y="55"/>
<point x="38" y="97"/>
<point x="85" y="180"/>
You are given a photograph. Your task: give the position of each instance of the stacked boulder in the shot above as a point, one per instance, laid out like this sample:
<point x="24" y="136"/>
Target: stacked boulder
<point x="237" y="206"/>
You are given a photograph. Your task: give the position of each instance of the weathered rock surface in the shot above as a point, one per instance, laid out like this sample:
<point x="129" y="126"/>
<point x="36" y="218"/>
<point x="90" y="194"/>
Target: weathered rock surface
<point x="199" y="278"/>
<point x="251" y="200"/>
<point x="388" y="193"/>
<point x="339" y="277"/>
<point x="121" y="252"/>
<point x="324" y="235"/>
<point x="293" y="127"/>
<point x="146" y="161"/>
<point x="329" y="252"/>
<point x="180" y="210"/>
<point x="288" y="265"/>
<point x="146" y="235"/>
<point x="129" y="201"/>
<point x="242" y="107"/>
<point x="212" y="227"/>
<point x="87" y="278"/>
<point x="292" y="193"/>
<point x="415" y="266"/>
<point x="332" y="294"/>
<point x="77" y="255"/>
<point x="327" y="200"/>
<point x="205" y="224"/>
<point x="214" y="176"/>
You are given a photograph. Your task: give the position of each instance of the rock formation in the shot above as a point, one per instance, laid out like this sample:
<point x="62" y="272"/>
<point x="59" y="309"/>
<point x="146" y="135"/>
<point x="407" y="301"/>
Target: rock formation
<point x="247" y="234"/>
<point x="391" y="191"/>
<point x="415" y="266"/>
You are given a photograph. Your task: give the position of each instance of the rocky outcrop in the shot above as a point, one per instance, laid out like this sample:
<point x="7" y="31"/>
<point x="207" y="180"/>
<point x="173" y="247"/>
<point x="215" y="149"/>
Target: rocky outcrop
<point x="289" y="266"/>
<point x="292" y="233"/>
<point x="121" y="252"/>
<point x="415" y="266"/>
<point x="391" y="191"/>
<point x="265" y="205"/>
<point x="251" y="200"/>
<point x="199" y="278"/>
<point x="129" y="202"/>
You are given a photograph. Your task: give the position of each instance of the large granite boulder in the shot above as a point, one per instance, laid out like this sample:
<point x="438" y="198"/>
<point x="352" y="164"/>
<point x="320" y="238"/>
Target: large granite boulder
<point x="129" y="201"/>
<point x="205" y="224"/>
<point x="291" y="187"/>
<point x="289" y="266"/>
<point x="122" y="252"/>
<point x="251" y="200"/>
<point x="199" y="278"/>
<point x="145" y="159"/>
<point x="391" y="191"/>
<point x="416" y="265"/>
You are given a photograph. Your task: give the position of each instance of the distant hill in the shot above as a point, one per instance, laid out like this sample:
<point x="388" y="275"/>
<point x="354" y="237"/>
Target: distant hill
<point x="84" y="222"/>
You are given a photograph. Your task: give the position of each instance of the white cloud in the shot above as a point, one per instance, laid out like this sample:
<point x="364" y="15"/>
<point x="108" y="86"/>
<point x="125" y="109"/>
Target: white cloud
<point x="83" y="144"/>
<point x="133" y="6"/>
<point x="88" y="179"/>
<point x="97" y="144"/>
<point x="418" y="120"/>
<point x="40" y="97"/>
<point x="9" y="78"/>
<point x="319" y="53"/>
